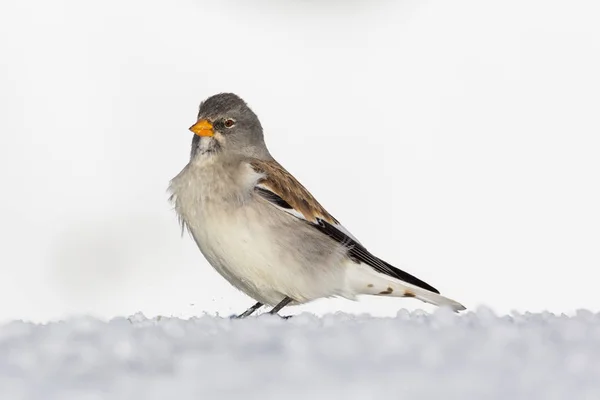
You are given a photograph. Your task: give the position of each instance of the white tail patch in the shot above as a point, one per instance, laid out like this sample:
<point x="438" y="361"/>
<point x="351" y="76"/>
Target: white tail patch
<point x="362" y="279"/>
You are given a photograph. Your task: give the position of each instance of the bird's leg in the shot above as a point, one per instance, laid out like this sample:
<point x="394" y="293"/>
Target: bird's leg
<point x="249" y="311"/>
<point x="286" y="300"/>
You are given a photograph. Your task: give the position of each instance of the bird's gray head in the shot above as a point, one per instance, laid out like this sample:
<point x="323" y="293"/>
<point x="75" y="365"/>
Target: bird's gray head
<point x="226" y="124"/>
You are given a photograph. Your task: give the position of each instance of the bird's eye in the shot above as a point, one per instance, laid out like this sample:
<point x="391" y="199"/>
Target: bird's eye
<point x="229" y="123"/>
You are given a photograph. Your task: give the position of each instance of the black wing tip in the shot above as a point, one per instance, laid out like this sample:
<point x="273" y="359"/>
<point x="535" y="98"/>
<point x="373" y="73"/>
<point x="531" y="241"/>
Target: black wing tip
<point x="359" y="253"/>
<point x="408" y="278"/>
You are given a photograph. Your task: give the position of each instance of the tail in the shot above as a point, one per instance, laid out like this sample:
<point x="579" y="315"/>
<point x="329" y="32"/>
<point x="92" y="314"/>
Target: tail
<point x="362" y="279"/>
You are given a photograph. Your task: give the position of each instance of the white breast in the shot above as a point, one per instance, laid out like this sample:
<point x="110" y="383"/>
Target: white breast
<point x="262" y="251"/>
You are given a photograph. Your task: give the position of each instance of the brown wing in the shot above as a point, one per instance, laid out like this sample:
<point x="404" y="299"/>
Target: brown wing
<point x="281" y="189"/>
<point x="283" y="184"/>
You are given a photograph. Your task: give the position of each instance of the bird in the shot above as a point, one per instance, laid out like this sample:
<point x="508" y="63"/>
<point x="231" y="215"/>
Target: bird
<point x="263" y="231"/>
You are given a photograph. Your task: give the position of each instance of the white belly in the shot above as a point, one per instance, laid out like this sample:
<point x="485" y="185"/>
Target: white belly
<point x="252" y="255"/>
<point x="239" y="249"/>
<point x="266" y="253"/>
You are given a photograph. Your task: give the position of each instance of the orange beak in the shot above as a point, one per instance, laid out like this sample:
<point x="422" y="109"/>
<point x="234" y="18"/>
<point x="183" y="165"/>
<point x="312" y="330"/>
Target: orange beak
<point x="203" y="128"/>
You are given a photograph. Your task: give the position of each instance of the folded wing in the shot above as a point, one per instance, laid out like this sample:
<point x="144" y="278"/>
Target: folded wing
<point x="283" y="191"/>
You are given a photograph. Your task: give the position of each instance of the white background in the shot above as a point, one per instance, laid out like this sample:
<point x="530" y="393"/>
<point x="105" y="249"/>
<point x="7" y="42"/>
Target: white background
<point x="457" y="140"/>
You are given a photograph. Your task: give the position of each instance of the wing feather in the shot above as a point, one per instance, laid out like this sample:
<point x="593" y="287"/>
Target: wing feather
<point x="282" y="190"/>
<point x="283" y="185"/>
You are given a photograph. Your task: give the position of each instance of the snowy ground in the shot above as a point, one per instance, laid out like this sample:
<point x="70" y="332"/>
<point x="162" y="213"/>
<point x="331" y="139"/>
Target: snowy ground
<point x="416" y="355"/>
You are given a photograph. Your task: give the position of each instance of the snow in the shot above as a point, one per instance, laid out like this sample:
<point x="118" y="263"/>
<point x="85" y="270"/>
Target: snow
<point x="414" y="355"/>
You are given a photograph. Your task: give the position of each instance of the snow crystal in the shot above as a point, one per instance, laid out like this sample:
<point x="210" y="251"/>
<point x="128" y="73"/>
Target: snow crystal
<point x="415" y="355"/>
